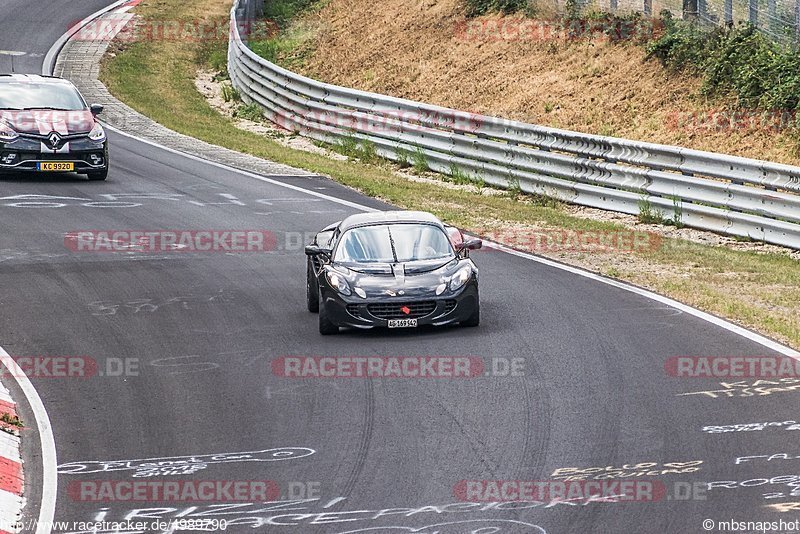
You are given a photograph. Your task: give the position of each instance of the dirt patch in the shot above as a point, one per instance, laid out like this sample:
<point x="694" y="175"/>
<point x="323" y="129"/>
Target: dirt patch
<point x="419" y="50"/>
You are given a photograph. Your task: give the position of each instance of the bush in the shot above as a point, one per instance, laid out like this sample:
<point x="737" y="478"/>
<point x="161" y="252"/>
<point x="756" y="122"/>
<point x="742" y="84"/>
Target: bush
<point x="739" y="62"/>
<point x="283" y="11"/>
<point x="481" y="7"/>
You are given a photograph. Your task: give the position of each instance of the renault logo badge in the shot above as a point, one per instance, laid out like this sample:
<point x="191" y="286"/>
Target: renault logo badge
<point x="54" y="139"/>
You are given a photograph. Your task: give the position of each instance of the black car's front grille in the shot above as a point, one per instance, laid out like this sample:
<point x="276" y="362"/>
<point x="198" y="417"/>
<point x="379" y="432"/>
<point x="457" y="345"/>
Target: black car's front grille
<point x="98" y="159"/>
<point x="354" y="310"/>
<point x="402" y="310"/>
<point x="449" y="305"/>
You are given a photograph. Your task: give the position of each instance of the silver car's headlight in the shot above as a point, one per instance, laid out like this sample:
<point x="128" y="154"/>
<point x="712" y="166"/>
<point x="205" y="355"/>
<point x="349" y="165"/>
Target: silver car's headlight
<point x="7" y="133"/>
<point x="97" y="133"/>
<point x="337" y="281"/>
<point x="460" y="278"/>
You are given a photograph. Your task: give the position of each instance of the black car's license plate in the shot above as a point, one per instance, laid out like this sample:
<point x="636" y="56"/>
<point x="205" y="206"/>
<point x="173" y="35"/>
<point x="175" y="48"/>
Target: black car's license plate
<point x="402" y="323"/>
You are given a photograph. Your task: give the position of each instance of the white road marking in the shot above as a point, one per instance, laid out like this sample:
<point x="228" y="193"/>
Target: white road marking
<point x="11" y="53"/>
<point x="49" y="458"/>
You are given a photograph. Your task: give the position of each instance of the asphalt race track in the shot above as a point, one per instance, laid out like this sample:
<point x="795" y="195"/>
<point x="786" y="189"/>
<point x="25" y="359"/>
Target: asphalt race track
<point x="200" y="331"/>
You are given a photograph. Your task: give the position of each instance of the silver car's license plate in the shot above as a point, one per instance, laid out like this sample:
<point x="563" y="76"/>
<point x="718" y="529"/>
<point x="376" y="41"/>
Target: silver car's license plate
<point x="402" y="323"/>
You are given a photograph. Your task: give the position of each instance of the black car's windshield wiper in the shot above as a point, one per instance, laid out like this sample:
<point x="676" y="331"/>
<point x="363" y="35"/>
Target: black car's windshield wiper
<point x="391" y="242"/>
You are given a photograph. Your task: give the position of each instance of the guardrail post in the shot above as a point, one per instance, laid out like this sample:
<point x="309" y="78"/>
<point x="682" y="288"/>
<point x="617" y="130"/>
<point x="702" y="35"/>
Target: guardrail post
<point x="648" y="8"/>
<point x="728" y="12"/>
<point x="797" y="19"/>
<point x="613" y="6"/>
<point x="690" y="9"/>
<point x="772" y="15"/>
<point x="754" y="12"/>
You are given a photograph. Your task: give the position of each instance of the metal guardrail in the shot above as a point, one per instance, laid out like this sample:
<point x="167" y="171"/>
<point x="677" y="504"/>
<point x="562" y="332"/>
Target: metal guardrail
<point x="724" y="194"/>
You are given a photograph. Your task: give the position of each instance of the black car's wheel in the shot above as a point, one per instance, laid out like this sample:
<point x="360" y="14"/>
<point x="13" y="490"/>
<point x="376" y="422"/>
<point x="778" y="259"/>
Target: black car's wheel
<point x="326" y="327"/>
<point x="98" y="176"/>
<point x="312" y="289"/>
<point x="475" y="318"/>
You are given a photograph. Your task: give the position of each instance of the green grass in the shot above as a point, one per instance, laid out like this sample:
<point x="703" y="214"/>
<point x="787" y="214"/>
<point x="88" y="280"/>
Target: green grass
<point x="648" y="214"/>
<point x="419" y="162"/>
<point x="251" y="112"/>
<point x="157" y="79"/>
<point x="362" y="150"/>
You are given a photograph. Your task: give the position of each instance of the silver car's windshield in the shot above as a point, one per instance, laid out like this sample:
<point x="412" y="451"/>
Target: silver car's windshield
<point x="25" y="95"/>
<point x="393" y="243"/>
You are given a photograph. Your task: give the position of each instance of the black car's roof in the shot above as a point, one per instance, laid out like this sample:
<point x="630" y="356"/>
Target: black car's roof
<point x="384" y="217"/>
<point x="32" y="78"/>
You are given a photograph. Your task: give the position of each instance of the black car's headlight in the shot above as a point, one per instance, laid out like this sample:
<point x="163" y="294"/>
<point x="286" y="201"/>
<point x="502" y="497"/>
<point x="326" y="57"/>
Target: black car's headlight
<point x="460" y="278"/>
<point x="7" y="133"/>
<point x="337" y="281"/>
<point x="97" y="133"/>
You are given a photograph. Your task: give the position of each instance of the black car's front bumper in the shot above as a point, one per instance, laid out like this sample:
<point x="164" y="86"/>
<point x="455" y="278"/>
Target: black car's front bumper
<point x="25" y="153"/>
<point x="427" y="310"/>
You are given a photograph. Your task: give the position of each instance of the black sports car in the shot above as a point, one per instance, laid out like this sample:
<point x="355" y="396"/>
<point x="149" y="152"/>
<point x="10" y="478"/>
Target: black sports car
<point x="46" y="126"/>
<point x="396" y="269"/>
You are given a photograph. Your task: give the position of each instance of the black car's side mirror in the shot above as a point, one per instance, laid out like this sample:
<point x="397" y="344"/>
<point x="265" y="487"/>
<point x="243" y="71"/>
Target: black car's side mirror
<point x="96" y="109"/>
<point x="472" y="244"/>
<point x="314" y="250"/>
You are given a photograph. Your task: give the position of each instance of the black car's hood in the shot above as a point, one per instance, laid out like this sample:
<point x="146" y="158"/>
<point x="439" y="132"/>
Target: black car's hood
<point x="403" y="280"/>
<point x="395" y="269"/>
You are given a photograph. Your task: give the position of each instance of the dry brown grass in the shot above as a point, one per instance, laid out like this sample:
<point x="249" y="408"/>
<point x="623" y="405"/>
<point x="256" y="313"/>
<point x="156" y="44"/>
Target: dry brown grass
<point x="412" y="49"/>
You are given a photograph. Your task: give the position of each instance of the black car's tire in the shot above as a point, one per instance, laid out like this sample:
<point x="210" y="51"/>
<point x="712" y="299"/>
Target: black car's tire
<point x="475" y="318"/>
<point x="98" y="176"/>
<point x="312" y="288"/>
<point x="326" y="327"/>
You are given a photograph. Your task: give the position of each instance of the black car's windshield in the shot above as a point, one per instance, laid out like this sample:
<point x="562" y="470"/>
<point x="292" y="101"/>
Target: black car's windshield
<point x="27" y="95"/>
<point x="393" y="243"/>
